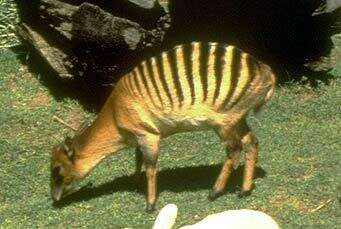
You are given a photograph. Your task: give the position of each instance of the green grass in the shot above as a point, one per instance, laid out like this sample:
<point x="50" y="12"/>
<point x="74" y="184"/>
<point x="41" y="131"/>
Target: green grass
<point x="299" y="134"/>
<point x="8" y="18"/>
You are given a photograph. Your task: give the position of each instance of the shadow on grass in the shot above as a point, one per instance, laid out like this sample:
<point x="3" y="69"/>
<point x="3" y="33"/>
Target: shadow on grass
<point x="175" y="180"/>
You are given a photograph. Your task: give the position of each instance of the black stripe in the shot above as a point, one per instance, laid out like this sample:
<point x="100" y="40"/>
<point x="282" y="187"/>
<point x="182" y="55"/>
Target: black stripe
<point x="203" y="60"/>
<point x="251" y="70"/>
<point x="175" y="75"/>
<point x="219" y="62"/>
<point x="129" y="83"/>
<point x="161" y="73"/>
<point x="152" y="77"/>
<point x="144" y="81"/>
<point x="137" y="84"/>
<point x="187" y="50"/>
<point x="235" y="73"/>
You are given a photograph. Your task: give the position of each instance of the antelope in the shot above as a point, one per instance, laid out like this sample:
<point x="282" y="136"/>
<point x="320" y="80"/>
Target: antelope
<point x="191" y="87"/>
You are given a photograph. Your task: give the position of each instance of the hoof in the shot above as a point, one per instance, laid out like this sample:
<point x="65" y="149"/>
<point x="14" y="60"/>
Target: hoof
<point x="214" y="194"/>
<point x="150" y="208"/>
<point x="242" y="194"/>
<point x="245" y="193"/>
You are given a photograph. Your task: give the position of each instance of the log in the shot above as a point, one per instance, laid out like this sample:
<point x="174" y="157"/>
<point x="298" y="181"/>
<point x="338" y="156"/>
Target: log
<point x="58" y="15"/>
<point x="103" y="43"/>
<point x="93" y="25"/>
<point x="59" y="59"/>
<point x="81" y="41"/>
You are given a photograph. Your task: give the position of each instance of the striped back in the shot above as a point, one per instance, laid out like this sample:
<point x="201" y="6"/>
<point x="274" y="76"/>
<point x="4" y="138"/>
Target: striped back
<point x="195" y="73"/>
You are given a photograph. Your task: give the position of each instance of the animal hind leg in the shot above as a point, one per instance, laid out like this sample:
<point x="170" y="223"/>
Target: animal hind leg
<point x="230" y="138"/>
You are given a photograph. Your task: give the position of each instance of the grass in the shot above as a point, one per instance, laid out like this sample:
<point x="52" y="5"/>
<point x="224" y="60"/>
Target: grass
<point x="299" y="135"/>
<point x="8" y="18"/>
<point x="297" y="182"/>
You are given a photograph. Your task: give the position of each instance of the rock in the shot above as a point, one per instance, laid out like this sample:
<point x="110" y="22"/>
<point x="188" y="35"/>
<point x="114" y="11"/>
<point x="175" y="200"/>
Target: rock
<point x="80" y="40"/>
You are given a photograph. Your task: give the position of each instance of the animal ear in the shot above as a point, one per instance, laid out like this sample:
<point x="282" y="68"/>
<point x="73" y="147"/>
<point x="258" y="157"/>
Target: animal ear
<point x="67" y="147"/>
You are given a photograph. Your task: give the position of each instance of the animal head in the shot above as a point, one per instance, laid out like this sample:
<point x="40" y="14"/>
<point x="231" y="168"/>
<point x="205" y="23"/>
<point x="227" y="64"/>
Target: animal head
<point x="63" y="174"/>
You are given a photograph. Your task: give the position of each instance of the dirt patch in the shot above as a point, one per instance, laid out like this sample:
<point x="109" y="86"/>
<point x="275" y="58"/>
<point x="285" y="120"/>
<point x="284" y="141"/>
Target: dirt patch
<point x="75" y="117"/>
<point x="282" y="199"/>
<point x="10" y="84"/>
<point x="40" y="99"/>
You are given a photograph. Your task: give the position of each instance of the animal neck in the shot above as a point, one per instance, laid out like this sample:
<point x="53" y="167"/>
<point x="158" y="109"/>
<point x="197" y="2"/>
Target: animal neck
<point x="96" y="142"/>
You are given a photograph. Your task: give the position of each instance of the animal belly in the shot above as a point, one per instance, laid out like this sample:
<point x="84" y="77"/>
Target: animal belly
<point x="172" y="124"/>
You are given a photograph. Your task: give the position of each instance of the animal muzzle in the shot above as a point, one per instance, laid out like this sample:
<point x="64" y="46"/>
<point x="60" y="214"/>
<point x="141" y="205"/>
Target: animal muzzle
<point x="57" y="193"/>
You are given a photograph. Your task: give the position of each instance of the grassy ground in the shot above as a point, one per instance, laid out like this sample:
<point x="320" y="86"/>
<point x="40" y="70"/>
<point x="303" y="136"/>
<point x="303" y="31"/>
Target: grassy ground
<point x="297" y="182"/>
<point x="8" y="17"/>
<point x="299" y="135"/>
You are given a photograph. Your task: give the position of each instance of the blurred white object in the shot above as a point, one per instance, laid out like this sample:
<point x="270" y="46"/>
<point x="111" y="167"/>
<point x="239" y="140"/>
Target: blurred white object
<point x="232" y="219"/>
<point x="236" y="219"/>
<point x="166" y="217"/>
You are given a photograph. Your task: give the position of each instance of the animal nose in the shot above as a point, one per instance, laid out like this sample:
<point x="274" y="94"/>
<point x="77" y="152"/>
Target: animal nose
<point x="57" y="193"/>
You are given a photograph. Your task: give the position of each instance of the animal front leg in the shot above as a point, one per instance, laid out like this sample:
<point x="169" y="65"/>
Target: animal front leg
<point x="149" y="146"/>
<point x="226" y="170"/>
<point x="151" y="173"/>
<point x="231" y="139"/>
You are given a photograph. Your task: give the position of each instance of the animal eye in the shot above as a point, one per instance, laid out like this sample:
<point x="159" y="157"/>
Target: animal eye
<point x="57" y="177"/>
